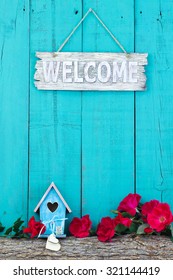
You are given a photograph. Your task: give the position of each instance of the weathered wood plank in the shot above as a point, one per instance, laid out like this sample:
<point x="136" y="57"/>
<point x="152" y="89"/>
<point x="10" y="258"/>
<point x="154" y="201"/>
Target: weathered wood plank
<point x="14" y="84"/>
<point x="107" y="118"/>
<point x="55" y="119"/>
<point x="90" y="71"/>
<point x="154" y="30"/>
<point x="141" y="58"/>
<point x="121" y="248"/>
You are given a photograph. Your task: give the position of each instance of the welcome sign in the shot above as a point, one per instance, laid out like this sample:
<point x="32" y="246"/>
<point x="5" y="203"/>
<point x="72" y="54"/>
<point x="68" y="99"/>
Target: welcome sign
<point x="91" y="71"/>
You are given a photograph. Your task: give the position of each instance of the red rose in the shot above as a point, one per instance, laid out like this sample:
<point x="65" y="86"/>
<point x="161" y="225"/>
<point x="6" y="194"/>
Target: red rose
<point x="80" y="227"/>
<point x="147" y="208"/>
<point x="129" y="203"/>
<point x="123" y="221"/>
<point x="148" y="230"/>
<point x="106" y="229"/>
<point x="160" y="217"/>
<point x="34" y="227"/>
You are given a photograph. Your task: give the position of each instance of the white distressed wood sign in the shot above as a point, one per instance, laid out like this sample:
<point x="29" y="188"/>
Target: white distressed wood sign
<point x="91" y="71"/>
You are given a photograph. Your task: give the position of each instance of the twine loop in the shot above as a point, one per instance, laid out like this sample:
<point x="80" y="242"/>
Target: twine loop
<point x="52" y="224"/>
<point x="102" y="23"/>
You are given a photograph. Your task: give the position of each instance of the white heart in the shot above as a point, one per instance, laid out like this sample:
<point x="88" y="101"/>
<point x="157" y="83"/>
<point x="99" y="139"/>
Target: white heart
<point x="53" y="239"/>
<point x="52" y="246"/>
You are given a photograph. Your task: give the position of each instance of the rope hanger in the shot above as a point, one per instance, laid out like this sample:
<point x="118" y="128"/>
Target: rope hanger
<point x="102" y="23"/>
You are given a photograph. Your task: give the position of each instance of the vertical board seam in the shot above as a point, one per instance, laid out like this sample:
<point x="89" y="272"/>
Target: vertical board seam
<point x="81" y="202"/>
<point x="134" y="105"/>
<point x="29" y="76"/>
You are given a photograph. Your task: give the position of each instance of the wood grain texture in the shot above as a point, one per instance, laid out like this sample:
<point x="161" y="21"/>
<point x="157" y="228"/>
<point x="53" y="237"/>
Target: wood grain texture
<point x="139" y="248"/>
<point x="96" y="146"/>
<point x="55" y="119"/>
<point x="154" y="118"/>
<point x="14" y="84"/>
<point x="90" y="71"/>
<point x="107" y="118"/>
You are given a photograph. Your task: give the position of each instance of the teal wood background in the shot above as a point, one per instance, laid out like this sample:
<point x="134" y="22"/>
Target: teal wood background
<point x="96" y="146"/>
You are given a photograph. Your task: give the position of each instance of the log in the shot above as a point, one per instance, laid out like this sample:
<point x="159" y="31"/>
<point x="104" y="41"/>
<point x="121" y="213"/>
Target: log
<point x="125" y="247"/>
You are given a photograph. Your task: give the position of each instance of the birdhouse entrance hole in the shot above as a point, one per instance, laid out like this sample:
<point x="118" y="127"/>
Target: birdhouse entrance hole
<point x="52" y="206"/>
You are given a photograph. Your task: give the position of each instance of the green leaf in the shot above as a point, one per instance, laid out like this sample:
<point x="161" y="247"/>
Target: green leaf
<point x="133" y="227"/>
<point x="126" y="215"/>
<point x="1" y="227"/>
<point x="115" y="211"/>
<point x="120" y="229"/>
<point x="92" y="232"/>
<point x="141" y="228"/>
<point x="171" y="228"/>
<point x="17" y="221"/>
<point x="17" y="225"/>
<point x="8" y="231"/>
<point x="18" y="234"/>
<point x="15" y="229"/>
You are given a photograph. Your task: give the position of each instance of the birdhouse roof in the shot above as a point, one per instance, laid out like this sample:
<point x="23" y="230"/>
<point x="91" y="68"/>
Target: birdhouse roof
<point x="52" y="185"/>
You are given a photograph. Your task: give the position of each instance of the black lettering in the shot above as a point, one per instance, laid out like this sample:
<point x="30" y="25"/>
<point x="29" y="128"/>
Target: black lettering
<point x="15" y="271"/>
<point x="70" y="270"/>
<point x="41" y="272"/>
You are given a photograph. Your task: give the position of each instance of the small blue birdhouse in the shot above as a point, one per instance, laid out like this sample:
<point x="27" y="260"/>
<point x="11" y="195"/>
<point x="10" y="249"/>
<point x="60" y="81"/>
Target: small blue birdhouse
<point x="52" y="208"/>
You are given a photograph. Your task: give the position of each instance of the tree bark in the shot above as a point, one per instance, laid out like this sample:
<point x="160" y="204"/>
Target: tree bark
<point x="120" y="248"/>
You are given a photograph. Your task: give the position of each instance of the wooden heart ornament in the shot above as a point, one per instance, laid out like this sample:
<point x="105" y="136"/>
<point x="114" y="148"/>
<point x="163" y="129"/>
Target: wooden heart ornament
<point x="52" y="206"/>
<point x="53" y="243"/>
